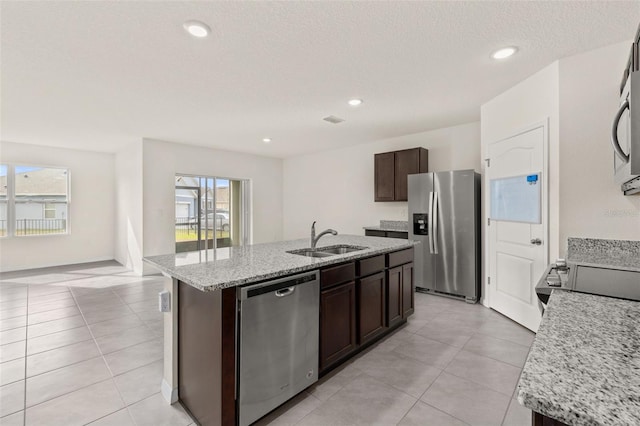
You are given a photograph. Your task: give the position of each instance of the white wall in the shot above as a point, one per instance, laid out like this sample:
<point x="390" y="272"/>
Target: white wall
<point x="336" y="187"/>
<point x="532" y="101"/>
<point x="91" y="210"/>
<point x="591" y="204"/>
<point x="128" y="165"/>
<point x="163" y="160"/>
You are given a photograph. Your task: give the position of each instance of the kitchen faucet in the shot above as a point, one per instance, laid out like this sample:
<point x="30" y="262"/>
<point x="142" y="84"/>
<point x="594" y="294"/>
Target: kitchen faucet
<point x="314" y="239"/>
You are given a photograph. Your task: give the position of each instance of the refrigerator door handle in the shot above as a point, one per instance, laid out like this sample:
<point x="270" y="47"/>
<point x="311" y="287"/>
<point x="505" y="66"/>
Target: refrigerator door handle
<point x="434" y="215"/>
<point x="430" y="222"/>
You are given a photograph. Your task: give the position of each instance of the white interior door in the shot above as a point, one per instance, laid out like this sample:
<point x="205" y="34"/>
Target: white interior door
<point x="518" y="251"/>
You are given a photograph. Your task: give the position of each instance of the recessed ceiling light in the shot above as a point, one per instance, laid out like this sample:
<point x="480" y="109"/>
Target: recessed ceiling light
<point x="504" y="53"/>
<point x="197" y="28"/>
<point x="266" y="140"/>
<point x="355" y="102"/>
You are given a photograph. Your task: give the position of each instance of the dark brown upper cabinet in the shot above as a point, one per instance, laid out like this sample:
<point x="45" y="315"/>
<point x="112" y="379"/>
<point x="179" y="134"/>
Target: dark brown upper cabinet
<point x="392" y="169"/>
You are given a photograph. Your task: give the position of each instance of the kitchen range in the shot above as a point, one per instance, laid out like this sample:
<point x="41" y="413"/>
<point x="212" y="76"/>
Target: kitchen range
<point x="255" y="325"/>
<point x="582" y="367"/>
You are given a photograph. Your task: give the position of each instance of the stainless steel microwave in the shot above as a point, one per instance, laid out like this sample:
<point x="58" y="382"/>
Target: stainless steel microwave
<point x="625" y="135"/>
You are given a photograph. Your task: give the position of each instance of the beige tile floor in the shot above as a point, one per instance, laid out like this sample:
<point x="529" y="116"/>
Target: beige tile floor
<point x="82" y="344"/>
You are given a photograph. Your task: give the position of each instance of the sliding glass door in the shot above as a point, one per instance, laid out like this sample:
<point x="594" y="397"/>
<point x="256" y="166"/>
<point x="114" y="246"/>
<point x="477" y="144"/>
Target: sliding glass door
<point x="211" y="212"/>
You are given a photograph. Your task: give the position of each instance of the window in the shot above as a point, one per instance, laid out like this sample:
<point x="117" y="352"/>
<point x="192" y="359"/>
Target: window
<point x="34" y="200"/>
<point x="49" y="211"/>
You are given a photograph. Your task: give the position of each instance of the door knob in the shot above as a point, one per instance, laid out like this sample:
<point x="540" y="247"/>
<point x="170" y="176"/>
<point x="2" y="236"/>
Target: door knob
<point x="536" y="241"/>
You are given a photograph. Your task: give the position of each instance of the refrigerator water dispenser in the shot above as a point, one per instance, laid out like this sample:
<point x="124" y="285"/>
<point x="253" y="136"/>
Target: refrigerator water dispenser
<point x="420" y="221"/>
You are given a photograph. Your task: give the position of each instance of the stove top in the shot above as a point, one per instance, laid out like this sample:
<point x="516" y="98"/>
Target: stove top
<point x="587" y="278"/>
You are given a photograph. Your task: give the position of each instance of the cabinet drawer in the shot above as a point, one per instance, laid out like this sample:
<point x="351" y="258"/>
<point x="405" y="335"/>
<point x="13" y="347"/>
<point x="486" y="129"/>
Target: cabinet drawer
<point x="370" y="265"/>
<point x="337" y="275"/>
<point x="400" y="257"/>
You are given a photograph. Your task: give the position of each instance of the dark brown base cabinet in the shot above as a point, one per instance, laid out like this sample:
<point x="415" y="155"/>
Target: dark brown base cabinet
<point x="362" y="301"/>
<point x="400" y="293"/>
<point x="372" y="307"/>
<point x="337" y="323"/>
<point x="394" y="296"/>
<point x="408" y="290"/>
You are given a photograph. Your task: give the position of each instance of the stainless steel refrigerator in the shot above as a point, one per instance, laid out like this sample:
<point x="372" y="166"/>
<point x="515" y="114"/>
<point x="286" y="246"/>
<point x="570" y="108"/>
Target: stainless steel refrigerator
<point x="444" y="215"/>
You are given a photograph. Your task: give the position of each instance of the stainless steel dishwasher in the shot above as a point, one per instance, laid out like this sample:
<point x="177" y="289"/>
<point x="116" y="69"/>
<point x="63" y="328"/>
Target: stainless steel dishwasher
<point x="278" y="342"/>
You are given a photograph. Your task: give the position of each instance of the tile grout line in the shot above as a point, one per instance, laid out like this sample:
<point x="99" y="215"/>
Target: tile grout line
<point x="26" y="341"/>
<point x="103" y="360"/>
<point x="135" y="313"/>
<point x="126" y="406"/>
<point x="442" y="371"/>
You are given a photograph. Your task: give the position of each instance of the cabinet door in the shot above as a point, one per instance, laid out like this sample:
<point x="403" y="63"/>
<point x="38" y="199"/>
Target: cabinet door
<point x="406" y="162"/>
<point x="384" y="176"/>
<point x="407" y="290"/>
<point x="394" y="296"/>
<point x="371" y="303"/>
<point x="337" y="323"/>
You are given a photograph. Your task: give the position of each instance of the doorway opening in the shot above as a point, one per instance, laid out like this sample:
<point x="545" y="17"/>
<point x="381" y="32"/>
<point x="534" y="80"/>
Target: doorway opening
<point x="210" y="212"/>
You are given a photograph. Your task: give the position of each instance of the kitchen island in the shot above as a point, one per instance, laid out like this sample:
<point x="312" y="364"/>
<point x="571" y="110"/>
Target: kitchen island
<point x="584" y="365"/>
<point x="365" y="294"/>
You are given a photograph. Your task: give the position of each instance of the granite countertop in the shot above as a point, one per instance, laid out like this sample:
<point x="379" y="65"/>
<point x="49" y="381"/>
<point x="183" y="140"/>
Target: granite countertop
<point x="618" y="254"/>
<point x="381" y="228"/>
<point x="233" y="266"/>
<point x="390" y="225"/>
<point x="584" y="365"/>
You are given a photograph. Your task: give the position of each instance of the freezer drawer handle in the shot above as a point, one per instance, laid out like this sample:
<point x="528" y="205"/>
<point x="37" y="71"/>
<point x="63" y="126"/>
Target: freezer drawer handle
<point x="285" y="292"/>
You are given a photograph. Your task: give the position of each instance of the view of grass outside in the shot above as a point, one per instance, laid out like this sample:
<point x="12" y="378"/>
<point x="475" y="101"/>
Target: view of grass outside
<point x="192" y="234"/>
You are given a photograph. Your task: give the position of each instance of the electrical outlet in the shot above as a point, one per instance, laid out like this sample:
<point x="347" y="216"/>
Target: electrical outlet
<point x="164" y="301"/>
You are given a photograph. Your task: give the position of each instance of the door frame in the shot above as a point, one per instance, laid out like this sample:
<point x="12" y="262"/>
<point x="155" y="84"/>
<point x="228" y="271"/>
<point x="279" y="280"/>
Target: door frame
<point x="544" y="123"/>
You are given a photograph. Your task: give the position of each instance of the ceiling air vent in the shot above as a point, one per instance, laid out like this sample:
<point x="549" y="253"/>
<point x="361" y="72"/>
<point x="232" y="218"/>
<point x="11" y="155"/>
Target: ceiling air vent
<point x="333" y="119"/>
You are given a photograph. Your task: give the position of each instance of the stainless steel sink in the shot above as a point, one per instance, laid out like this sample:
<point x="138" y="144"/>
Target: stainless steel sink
<point x="327" y="251"/>
<point x="341" y="249"/>
<point x="310" y="253"/>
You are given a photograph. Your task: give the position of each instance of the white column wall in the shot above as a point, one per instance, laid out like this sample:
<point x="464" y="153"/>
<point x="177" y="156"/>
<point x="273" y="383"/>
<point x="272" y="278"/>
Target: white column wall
<point x="532" y="101"/>
<point x="129" y="207"/>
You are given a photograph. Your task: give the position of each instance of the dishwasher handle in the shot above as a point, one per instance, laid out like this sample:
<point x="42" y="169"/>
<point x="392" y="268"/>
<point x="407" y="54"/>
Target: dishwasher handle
<point x="285" y="291"/>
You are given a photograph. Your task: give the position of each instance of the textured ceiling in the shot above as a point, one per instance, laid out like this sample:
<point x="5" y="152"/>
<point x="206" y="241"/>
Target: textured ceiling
<point x="97" y="75"/>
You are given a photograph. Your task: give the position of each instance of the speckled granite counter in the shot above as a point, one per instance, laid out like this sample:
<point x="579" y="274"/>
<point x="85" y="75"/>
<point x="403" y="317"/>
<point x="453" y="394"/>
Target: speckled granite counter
<point x="584" y="365"/>
<point x="619" y="254"/>
<point x="390" y="225"/>
<point x="229" y="267"/>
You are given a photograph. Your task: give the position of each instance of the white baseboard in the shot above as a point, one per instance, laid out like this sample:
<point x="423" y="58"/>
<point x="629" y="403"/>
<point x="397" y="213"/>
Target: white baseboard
<point x="168" y="393"/>
<point x="78" y="263"/>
